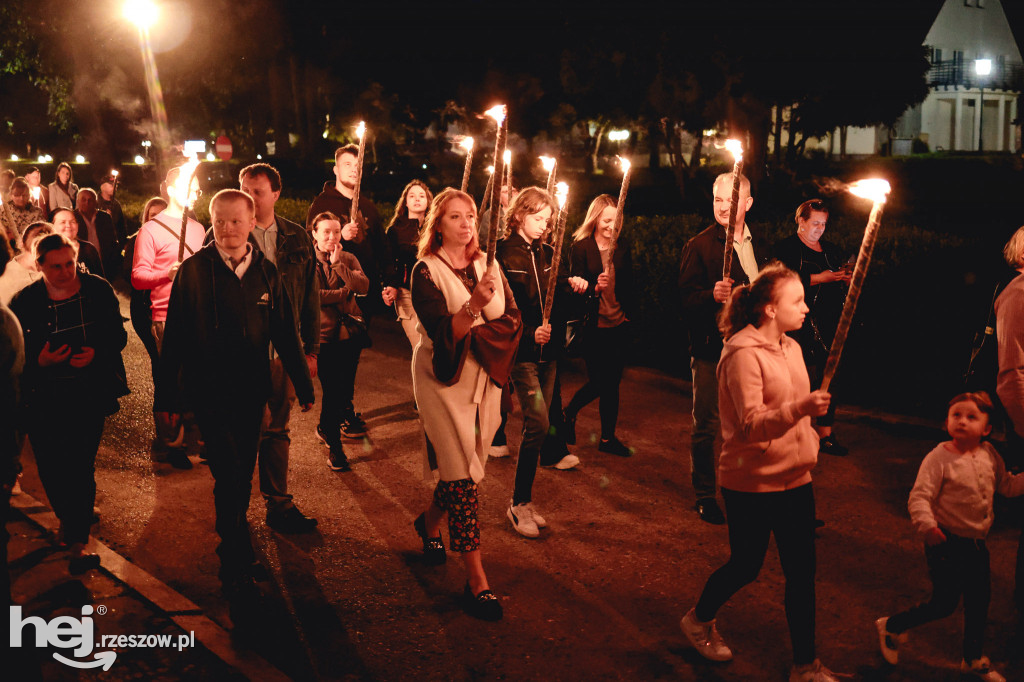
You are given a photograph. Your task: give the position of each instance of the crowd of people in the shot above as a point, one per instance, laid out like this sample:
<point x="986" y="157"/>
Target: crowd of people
<point x="238" y="320"/>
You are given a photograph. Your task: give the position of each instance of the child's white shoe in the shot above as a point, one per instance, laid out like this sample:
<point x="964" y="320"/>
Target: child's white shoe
<point x="982" y="669"/>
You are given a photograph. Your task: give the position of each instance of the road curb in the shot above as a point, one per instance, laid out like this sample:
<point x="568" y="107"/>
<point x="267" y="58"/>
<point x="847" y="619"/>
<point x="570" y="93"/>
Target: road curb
<point x="178" y="608"/>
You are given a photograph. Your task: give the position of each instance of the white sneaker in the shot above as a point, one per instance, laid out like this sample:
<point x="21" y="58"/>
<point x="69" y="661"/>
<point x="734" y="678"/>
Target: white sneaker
<point x="812" y="672"/>
<point x="522" y="520"/>
<point x="705" y="638"/>
<point x="982" y="669"/>
<point x="889" y="642"/>
<point x="498" y="451"/>
<point x="537" y="518"/>
<point x="567" y="462"/>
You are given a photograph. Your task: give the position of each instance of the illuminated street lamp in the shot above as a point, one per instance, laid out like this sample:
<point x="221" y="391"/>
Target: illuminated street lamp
<point x="79" y="158"/>
<point x="618" y="135"/>
<point x="982" y="67"/>
<point x="143" y="13"/>
<point x="140" y="160"/>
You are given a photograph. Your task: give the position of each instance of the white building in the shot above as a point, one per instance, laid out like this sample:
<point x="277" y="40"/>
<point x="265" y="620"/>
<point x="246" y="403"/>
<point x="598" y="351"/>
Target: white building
<point x="964" y="110"/>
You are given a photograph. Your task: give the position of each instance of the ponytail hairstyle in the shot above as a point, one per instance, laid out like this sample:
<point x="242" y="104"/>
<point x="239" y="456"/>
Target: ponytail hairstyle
<point x="746" y="304"/>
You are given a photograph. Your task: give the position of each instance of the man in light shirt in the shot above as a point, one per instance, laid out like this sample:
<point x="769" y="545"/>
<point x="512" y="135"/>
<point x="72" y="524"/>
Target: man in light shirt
<point x="289" y="247"/>
<point x="703" y="290"/>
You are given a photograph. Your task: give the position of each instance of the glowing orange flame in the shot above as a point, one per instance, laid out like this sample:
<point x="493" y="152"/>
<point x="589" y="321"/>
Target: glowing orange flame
<point x="507" y="156"/>
<point x="36" y="192"/>
<point x="115" y="173"/>
<point x="561" y="193"/>
<point x="735" y="148"/>
<point x="548" y="162"/>
<point x="490" y="170"/>
<point x="624" y="162"/>
<point x="361" y="129"/>
<point x="467" y="143"/>
<point x="180" y="188"/>
<point x="876" y="190"/>
<point x="498" y="112"/>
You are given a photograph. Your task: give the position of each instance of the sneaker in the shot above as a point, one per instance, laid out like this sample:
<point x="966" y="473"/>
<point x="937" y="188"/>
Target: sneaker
<point x="498" y="451"/>
<point x="614" y="446"/>
<point x="290" y="520"/>
<point x="830" y="446"/>
<point x="178" y="459"/>
<point x="567" y="462"/>
<point x="353" y="426"/>
<point x="982" y="669"/>
<point x="521" y="516"/>
<point x="537" y="518"/>
<point x="705" y="638"/>
<point x="889" y="642"/>
<point x="812" y="672"/>
<point x="336" y="459"/>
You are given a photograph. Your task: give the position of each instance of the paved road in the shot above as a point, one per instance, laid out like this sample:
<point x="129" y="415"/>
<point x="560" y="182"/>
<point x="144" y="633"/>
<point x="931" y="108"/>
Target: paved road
<point x="598" y="596"/>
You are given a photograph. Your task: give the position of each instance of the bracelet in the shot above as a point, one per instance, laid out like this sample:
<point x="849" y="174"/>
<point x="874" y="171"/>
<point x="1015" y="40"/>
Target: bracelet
<point x="469" y="311"/>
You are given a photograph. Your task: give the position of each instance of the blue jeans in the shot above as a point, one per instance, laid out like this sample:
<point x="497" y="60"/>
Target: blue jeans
<point x="705" y="427"/>
<point x="534" y="382"/>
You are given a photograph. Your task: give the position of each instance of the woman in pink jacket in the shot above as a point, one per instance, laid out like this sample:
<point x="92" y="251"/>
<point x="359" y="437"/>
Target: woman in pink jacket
<point x="769" y="447"/>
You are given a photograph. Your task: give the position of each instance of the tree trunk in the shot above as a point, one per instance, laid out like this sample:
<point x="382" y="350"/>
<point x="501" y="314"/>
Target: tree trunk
<point x="830" y="135"/>
<point x="842" y="142"/>
<point x="670" y="132"/>
<point x="654" y="149"/>
<point x="597" y="144"/>
<point x="296" y="82"/>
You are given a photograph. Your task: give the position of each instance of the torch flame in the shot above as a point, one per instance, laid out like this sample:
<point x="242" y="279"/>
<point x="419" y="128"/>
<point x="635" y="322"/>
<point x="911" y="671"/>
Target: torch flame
<point x="181" y="185"/>
<point x="36" y="191"/>
<point x="735" y="147"/>
<point x="561" y="193"/>
<point x="507" y="156"/>
<point x="115" y="173"/>
<point x="490" y="170"/>
<point x="361" y="129"/>
<point x="467" y="143"/>
<point x="624" y="163"/>
<point x="498" y="112"/>
<point x="548" y="162"/>
<point x="876" y="190"/>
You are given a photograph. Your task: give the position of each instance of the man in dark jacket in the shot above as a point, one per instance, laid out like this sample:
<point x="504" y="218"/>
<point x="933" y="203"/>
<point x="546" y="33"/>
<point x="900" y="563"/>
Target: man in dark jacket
<point x="227" y="306"/>
<point x="364" y="239"/>
<point x="108" y="203"/>
<point x="98" y="228"/>
<point x="288" y="247"/>
<point x="703" y="290"/>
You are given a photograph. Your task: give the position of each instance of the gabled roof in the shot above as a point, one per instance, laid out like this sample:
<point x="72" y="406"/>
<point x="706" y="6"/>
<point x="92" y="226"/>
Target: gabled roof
<point x="977" y="32"/>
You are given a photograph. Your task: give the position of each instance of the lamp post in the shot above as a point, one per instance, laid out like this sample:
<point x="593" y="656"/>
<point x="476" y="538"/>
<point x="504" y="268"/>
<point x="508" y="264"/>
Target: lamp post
<point x="982" y="67"/>
<point x="143" y="13"/>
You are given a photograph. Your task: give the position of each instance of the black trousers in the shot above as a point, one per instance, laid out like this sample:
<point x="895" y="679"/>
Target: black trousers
<point x="959" y="566"/>
<point x="753" y="519"/>
<point x="605" y="358"/>
<point x="232" y="440"/>
<point x="66" y="459"/>
<point x="336" y="368"/>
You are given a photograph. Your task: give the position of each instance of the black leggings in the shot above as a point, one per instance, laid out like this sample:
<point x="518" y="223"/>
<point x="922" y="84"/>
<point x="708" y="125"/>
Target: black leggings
<point x="753" y="518"/>
<point x="605" y="357"/>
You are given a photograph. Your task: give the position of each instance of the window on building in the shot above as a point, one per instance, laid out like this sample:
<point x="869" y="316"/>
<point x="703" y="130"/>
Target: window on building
<point x="936" y="55"/>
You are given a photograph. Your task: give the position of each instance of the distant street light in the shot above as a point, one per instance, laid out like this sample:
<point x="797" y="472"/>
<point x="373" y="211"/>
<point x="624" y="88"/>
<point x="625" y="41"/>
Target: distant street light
<point x="982" y="67"/>
<point x="79" y="158"/>
<point x="142" y="13"/>
<point x="618" y="135"/>
<point x="140" y="160"/>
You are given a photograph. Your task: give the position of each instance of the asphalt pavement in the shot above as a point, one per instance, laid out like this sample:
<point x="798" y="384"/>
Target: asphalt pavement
<point x="597" y="596"/>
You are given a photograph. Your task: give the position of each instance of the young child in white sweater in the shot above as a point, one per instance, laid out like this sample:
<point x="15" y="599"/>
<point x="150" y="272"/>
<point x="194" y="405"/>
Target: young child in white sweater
<point x="951" y="506"/>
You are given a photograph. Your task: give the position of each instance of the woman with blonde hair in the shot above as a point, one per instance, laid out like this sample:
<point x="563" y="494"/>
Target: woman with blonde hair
<point x="608" y="301"/>
<point x="469" y="327"/>
<point x="402" y="235"/>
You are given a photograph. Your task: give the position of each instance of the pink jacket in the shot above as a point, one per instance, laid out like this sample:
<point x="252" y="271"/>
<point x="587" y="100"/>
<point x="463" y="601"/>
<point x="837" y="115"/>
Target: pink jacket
<point x="767" y="445"/>
<point x="156" y="250"/>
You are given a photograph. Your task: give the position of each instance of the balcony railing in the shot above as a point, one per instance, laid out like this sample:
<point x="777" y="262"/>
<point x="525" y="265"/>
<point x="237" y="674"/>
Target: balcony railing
<point x="955" y="73"/>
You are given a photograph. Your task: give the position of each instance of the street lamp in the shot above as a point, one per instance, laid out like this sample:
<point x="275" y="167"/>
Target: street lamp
<point x="982" y="67"/>
<point x="143" y="13"/>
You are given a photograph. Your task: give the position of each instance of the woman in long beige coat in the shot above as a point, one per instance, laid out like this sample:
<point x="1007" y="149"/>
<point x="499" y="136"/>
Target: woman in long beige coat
<point x="469" y="329"/>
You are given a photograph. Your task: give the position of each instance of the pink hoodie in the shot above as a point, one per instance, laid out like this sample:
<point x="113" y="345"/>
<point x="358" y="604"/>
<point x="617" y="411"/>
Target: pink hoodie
<point x="767" y="445"/>
<point x="156" y="250"/>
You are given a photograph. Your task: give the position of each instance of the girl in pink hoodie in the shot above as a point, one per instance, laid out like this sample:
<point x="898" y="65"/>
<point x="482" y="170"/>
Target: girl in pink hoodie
<point x="769" y="447"/>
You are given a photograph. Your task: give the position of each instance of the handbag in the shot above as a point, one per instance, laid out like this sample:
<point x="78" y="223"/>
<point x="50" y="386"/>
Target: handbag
<point x="577" y="330"/>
